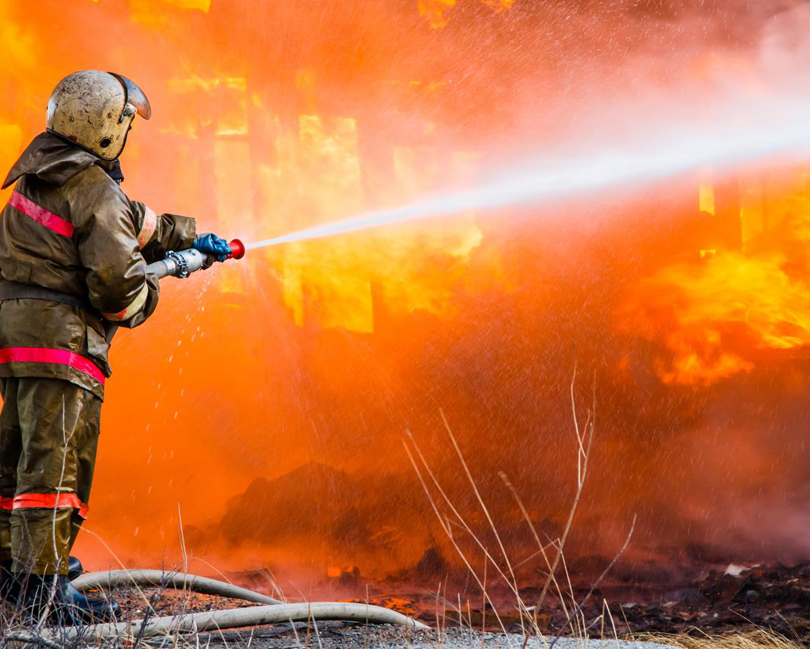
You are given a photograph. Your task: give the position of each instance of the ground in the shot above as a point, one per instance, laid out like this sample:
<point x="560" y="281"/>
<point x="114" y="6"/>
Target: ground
<point x="733" y="603"/>
<point x="742" y="601"/>
<point x="355" y="636"/>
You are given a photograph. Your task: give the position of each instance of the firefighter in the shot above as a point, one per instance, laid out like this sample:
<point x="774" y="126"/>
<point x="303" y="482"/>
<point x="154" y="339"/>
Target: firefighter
<point x="73" y="256"/>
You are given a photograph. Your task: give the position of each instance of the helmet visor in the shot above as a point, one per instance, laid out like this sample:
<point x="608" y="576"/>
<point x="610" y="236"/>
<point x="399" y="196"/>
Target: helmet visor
<point x="135" y="96"/>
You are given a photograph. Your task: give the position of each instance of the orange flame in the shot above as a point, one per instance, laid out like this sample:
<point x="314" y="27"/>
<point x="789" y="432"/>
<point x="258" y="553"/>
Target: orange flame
<point x="715" y="313"/>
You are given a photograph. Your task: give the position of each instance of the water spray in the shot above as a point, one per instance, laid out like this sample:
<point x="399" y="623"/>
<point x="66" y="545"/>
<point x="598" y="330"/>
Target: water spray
<point x="782" y="130"/>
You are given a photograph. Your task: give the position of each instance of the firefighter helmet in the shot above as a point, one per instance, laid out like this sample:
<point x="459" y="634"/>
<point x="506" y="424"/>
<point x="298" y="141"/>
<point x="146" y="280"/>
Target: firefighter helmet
<point x="95" y="110"/>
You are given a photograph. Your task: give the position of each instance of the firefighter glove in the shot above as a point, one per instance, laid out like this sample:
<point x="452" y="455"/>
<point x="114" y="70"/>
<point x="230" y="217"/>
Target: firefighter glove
<point x="211" y="244"/>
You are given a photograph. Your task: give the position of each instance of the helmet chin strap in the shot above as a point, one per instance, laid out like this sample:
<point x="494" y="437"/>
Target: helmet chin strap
<point x="114" y="171"/>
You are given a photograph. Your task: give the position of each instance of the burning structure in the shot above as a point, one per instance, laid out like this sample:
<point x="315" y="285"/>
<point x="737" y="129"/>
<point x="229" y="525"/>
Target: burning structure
<point x="687" y="300"/>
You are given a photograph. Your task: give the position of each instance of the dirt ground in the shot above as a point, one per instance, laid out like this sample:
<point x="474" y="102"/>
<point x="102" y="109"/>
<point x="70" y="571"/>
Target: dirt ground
<point x="337" y="635"/>
<point x="719" y="603"/>
<point x="724" y="603"/>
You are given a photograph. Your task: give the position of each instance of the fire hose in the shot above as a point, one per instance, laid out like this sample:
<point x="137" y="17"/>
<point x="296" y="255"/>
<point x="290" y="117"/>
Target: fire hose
<point x="177" y="580"/>
<point x="243" y="617"/>
<point x="273" y="613"/>
<point x="182" y="264"/>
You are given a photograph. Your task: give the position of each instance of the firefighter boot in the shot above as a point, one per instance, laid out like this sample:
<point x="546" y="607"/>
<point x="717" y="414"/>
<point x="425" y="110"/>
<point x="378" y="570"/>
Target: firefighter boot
<point x="95" y="609"/>
<point x="75" y="568"/>
<point x="47" y="592"/>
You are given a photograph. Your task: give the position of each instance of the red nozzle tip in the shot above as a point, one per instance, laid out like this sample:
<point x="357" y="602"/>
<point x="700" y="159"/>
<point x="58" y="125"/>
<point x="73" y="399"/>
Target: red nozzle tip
<point x="237" y="249"/>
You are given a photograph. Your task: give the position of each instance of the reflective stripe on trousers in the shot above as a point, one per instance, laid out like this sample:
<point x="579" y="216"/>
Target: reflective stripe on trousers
<point x="57" y="356"/>
<point x="49" y="501"/>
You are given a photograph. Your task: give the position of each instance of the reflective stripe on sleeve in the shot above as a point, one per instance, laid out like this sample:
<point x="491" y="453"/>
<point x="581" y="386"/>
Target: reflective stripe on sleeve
<point x="52" y="221"/>
<point x="6" y="503"/>
<point x="133" y="308"/>
<point x="149" y="226"/>
<point x="57" y="356"/>
<point x="51" y="501"/>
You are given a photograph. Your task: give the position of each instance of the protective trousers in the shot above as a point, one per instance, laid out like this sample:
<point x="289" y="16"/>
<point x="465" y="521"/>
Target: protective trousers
<point x="49" y="432"/>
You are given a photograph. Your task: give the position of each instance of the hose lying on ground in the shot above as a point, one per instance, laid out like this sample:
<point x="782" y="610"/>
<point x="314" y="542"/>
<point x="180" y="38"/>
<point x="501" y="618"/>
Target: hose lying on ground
<point x="240" y="617"/>
<point x="276" y="612"/>
<point x="165" y="579"/>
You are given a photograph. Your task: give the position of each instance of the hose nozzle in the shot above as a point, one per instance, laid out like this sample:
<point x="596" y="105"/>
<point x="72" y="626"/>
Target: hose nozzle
<point x="237" y="249"/>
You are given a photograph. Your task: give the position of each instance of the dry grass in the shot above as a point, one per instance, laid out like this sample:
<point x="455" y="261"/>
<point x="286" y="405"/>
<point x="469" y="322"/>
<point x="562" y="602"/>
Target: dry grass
<point x="558" y="580"/>
<point x="759" y="639"/>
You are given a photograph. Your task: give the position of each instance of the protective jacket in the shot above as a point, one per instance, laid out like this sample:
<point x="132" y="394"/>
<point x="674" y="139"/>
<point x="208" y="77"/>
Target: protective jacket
<point x="69" y="227"/>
